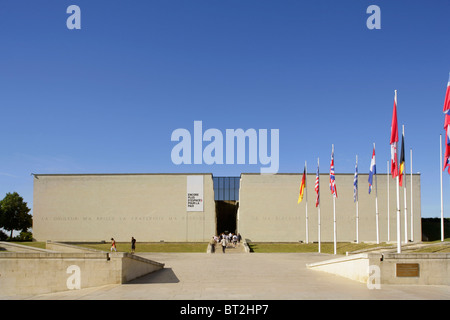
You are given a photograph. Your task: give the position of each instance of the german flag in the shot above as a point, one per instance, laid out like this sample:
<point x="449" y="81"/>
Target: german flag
<point x="302" y="187"/>
<point x="402" y="162"/>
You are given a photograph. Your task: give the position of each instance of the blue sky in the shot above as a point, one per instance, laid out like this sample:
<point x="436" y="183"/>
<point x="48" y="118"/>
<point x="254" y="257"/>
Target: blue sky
<point x="106" y="98"/>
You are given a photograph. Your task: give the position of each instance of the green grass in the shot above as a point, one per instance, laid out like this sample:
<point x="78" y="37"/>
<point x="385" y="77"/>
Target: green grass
<point x="151" y="246"/>
<point x="257" y="247"/>
<point x="325" y="247"/>
<point x="34" y="244"/>
<point x="435" y="247"/>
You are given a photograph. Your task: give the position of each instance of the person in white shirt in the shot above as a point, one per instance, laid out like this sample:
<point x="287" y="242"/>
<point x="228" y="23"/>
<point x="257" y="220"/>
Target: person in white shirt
<point x="223" y="242"/>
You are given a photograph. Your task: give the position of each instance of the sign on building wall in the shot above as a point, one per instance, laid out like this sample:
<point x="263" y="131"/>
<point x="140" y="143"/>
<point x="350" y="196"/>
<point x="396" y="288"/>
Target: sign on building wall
<point x="194" y="193"/>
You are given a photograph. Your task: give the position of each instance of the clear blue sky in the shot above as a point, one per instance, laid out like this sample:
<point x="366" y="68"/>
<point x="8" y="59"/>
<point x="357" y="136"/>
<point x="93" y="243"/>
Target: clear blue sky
<point x="106" y="98"/>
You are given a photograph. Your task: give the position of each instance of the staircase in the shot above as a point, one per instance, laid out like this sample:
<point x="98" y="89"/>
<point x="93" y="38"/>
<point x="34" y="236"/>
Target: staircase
<point x="230" y="249"/>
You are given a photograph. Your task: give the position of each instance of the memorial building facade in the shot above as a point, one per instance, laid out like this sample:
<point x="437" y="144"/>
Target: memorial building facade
<point x="194" y="207"/>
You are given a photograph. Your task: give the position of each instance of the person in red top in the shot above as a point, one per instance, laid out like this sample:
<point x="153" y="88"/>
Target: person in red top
<point x="113" y="245"/>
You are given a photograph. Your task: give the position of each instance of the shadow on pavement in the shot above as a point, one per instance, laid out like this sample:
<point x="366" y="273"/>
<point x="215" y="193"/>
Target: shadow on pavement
<point x="165" y="275"/>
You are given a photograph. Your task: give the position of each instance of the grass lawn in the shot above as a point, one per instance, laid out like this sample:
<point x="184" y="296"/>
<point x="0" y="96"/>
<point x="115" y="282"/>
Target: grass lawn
<point x="257" y="247"/>
<point x="151" y="246"/>
<point x="436" y="246"/>
<point x="34" y="244"/>
<point x="325" y="247"/>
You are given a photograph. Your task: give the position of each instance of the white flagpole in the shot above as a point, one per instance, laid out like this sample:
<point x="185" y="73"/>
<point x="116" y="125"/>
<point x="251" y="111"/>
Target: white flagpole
<point x="442" y="196"/>
<point x="404" y="189"/>
<point x="376" y="203"/>
<point x="388" y="218"/>
<point x="318" y="206"/>
<point x="306" y="203"/>
<point x="334" y="223"/>
<point x="334" y="205"/>
<point x="357" y="213"/>
<point x="399" y="244"/>
<point x="412" y="216"/>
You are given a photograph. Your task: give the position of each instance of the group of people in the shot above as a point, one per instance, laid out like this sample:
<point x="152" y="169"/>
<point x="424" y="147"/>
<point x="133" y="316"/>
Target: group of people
<point x="225" y="240"/>
<point x="133" y="245"/>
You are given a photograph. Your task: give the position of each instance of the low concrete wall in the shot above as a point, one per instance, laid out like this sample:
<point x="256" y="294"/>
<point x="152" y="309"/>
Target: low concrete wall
<point x="15" y="247"/>
<point x="433" y="268"/>
<point x="65" y="247"/>
<point x="24" y="273"/>
<point x="354" y="267"/>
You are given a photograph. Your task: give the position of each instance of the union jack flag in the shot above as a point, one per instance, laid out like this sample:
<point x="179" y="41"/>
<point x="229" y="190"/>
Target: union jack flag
<point x="316" y="187"/>
<point x="332" y="177"/>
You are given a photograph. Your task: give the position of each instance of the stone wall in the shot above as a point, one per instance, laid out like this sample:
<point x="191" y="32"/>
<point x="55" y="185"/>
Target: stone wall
<point x="98" y="207"/>
<point x="31" y="273"/>
<point x="268" y="209"/>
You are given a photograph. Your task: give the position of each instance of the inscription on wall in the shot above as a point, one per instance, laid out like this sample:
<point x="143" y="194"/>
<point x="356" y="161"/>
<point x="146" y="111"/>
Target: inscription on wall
<point x="194" y="193"/>
<point x="117" y="219"/>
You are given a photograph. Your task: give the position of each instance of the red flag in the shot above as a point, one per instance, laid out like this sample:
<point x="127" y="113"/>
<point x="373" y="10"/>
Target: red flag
<point x="394" y="139"/>
<point x="447" y="127"/>
<point x="447" y="98"/>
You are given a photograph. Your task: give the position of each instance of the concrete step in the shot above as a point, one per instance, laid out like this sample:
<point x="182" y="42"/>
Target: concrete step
<point x="240" y="248"/>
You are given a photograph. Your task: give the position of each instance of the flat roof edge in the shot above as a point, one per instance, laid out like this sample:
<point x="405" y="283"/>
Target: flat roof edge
<point x="117" y="174"/>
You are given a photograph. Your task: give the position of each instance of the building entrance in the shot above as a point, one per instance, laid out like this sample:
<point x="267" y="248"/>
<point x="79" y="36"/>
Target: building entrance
<point x="226" y="196"/>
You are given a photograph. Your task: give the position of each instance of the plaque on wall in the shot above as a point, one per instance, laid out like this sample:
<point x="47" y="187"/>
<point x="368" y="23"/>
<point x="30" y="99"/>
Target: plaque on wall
<point x="407" y="269"/>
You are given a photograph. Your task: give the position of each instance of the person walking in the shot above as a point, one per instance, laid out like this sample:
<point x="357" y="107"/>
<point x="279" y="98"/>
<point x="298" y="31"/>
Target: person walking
<point x="213" y="245"/>
<point x="113" y="245"/>
<point x="223" y="242"/>
<point x="133" y="244"/>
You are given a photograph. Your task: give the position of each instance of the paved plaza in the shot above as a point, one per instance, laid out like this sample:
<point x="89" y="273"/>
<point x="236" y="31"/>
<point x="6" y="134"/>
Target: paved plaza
<point x="238" y="276"/>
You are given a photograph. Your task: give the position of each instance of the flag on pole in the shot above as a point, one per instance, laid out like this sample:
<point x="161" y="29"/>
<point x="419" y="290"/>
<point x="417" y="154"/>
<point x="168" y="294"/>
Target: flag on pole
<point x="316" y="187"/>
<point x="447" y="98"/>
<point x="373" y="170"/>
<point x="302" y="186"/>
<point x="332" y="177"/>
<point x="447" y="145"/>
<point x="447" y="127"/>
<point x="355" y="184"/>
<point x="394" y="139"/>
<point x="402" y="161"/>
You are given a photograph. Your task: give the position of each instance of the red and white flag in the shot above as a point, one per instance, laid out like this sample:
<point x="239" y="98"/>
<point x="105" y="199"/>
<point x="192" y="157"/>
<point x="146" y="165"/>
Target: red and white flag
<point x="447" y="127"/>
<point x="394" y="140"/>
<point x="447" y="98"/>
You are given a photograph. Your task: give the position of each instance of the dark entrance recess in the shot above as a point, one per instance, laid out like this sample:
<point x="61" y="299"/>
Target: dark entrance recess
<point x="226" y="196"/>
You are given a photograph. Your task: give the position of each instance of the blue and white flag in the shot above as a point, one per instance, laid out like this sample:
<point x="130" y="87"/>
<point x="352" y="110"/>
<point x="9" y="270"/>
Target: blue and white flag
<point x="373" y="170"/>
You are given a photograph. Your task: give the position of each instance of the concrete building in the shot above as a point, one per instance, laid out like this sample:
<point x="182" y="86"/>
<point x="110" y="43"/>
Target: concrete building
<point x="193" y="207"/>
<point x="148" y="207"/>
<point x="268" y="209"/>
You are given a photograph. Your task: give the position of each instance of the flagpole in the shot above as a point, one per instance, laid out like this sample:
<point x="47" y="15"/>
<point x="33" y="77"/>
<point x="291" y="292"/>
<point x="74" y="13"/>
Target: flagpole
<point x="357" y="213"/>
<point x="376" y="203"/>
<point x="412" y="216"/>
<point x="404" y="189"/>
<point x="399" y="248"/>
<point x="306" y="203"/>
<point x="334" y="209"/>
<point x="399" y="244"/>
<point x="442" y="196"/>
<point x="388" y="222"/>
<point x="318" y="206"/>
<point x="334" y="223"/>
